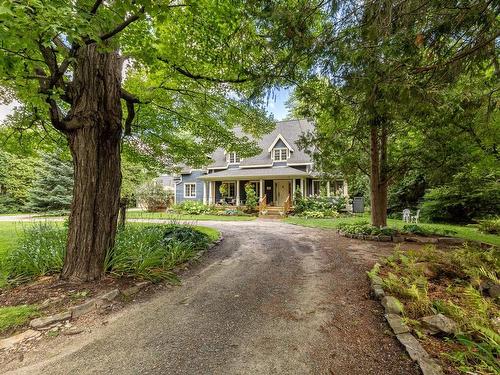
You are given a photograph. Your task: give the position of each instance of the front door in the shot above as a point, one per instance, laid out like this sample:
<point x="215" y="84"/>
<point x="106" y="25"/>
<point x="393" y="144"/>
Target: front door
<point x="282" y="189"/>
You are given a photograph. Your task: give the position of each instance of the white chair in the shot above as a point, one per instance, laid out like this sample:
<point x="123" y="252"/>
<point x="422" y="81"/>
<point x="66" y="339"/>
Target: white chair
<point x="414" y="218"/>
<point x="406" y="215"/>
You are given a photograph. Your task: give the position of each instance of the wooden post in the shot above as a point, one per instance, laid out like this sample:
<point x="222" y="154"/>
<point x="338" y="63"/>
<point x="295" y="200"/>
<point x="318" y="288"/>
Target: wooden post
<point x="302" y="187"/>
<point x="328" y="188"/>
<point x="261" y="188"/>
<point x="210" y="201"/>
<point x="204" y="192"/>
<point x="237" y="192"/>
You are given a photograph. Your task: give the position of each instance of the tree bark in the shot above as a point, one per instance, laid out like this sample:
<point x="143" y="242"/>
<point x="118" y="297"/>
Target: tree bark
<point x="378" y="173"/>
<point x="93" y="132"/>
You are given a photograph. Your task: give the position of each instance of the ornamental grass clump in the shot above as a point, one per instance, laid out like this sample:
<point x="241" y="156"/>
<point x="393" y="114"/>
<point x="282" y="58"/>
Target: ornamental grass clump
<point x="40" y="252"/>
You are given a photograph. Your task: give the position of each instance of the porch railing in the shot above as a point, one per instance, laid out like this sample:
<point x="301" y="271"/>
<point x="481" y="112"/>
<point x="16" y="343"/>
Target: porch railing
<point x="262" y="204"/>
<point x="287" y="205"/>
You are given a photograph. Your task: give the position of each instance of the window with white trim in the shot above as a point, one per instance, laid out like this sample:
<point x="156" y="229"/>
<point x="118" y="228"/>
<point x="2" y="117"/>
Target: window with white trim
<point x="190" y="190"/>
<point x="280" y="154"/>
<point x="233" y="158"/>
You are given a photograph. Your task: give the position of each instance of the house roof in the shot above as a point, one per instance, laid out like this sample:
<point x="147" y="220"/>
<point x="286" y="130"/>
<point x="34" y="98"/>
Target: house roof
<point x="290" y="132"/>
<point x="255" y="173"/>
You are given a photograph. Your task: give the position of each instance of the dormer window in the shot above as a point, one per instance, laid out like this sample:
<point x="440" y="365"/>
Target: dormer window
<point x="233" y="158"/>
<point x="280" y="154"/>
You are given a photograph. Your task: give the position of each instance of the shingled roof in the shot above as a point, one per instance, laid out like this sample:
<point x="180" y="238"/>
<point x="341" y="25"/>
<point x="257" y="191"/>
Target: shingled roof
<point x="290" y="130"/>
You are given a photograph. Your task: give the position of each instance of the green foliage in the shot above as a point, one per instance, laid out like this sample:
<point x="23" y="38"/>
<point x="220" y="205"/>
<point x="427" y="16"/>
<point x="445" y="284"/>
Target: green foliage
<point x="462" y="200"/>
<point x="153" y="196"/>
<point x="223" y="190"/>
<point x="134" y="174"/>
<point x="364" y="228"/>
<point x="329" y="206"/>
<point x="231" y="212"/>
<point x="146" y="251"/>
<point x="251" y="200"/>
<point x="458" y="275"/>
<point x="15" y="316"/>
<point x="428" y="231"/>
<point x="152" y="252"/>
<point x="40" y="252"/>
<point x="52" y="190"/>
<point x="16" y="176"/>
<point x="491" y="226"/>
<point x="193" y="207"/>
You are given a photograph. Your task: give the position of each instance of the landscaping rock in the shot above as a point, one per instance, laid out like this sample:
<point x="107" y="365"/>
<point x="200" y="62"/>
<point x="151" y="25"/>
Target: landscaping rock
<point x="398" y="239"/>
<point x="378" y="292"/>
<point x="9" y="342"/>
<point x="494" y="291"/>
<point x="49" y="320"/>
<point x="439" y="324"/>
<point x="82" y="309"/>
<point x="72" y="331"/>
<point x="495" y="322"/>
<point x="376" y="280"/>
<point x="392" y="305"/>
<point x="129" y="292"/>
<point x="385" y="238"/>
<point x="430" y="367"/>
<point x="396" y="323"/>
<point x="450" y="240"/>
<point x="110" y="296"/>
<point x="429" y="270"/>
<point x="412" y="346"/>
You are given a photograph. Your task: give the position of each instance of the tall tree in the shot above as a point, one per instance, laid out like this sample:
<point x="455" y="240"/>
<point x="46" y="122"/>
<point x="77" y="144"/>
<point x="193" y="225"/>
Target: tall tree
<point x="375" y="80"/>
<point x="194" y="70"/>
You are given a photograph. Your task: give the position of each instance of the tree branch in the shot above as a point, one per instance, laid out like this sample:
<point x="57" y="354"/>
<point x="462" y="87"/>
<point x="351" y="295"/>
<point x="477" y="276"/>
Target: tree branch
<point x="123" y="25"/>
<point x="95" y="7"/>
<point x="130" y="101"/>
<point x="198" y="77"/>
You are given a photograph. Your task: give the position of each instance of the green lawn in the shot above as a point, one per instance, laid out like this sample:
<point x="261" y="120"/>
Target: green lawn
<point x="9" y="234"/>
<point x="465" y="232"/>
<point x="163" y="215"/>
<point x="15" y="316"/>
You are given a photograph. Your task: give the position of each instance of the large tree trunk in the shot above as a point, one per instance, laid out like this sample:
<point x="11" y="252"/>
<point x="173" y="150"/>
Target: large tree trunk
<point x="378" y="173"/>
<point x="94" y="140"/>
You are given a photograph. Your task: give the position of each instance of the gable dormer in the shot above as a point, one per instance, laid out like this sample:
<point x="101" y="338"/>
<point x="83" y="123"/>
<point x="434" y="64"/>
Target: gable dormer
<point x="280" y="149"/>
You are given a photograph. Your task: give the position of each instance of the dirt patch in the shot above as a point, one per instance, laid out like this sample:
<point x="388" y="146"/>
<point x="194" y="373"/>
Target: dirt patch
<point x="52" y="295"/>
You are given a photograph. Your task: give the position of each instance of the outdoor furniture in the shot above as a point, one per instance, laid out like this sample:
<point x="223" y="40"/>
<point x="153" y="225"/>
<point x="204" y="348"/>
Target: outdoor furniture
<point x="414" y="218"/>
<point x="406" y="215"/>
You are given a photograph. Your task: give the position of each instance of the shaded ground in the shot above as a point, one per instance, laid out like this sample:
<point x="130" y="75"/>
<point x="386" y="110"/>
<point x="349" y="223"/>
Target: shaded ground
<point x="272" y="299"/>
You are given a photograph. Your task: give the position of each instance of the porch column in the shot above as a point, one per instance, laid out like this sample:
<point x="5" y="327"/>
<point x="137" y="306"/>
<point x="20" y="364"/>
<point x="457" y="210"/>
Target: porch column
<point x="293" y="189"/>
<point x="328" y="188"/>
<point x="261" y="188"/>
<point x="237" y="192"/>
<point x="346" y="191"/>
<point x="302" y="187"/>
<point x="204" y="192"/>
<point x="210" y="192"/>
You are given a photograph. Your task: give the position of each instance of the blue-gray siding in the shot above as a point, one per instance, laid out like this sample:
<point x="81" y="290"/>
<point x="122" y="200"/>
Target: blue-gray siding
<point x="189" y="178"/>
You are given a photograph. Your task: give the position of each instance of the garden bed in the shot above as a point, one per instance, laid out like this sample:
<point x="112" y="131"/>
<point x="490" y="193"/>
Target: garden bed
<point x="31" y="286"/>
<point x="450" y="301"/>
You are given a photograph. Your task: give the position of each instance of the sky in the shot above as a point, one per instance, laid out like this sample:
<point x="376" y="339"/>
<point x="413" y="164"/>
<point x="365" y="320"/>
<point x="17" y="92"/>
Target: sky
<point x="275" y="105"/>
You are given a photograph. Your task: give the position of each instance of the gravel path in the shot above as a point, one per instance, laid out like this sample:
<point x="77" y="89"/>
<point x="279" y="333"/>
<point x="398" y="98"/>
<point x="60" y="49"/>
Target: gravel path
<point x="273" y="298"/>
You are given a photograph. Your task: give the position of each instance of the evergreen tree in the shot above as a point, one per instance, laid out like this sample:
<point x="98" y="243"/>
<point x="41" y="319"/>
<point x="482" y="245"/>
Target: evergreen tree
<point x="52" y="190"/>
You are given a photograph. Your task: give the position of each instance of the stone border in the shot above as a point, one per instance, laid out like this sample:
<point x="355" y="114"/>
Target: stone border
<point x="393" y="311"/>
<point x="101" y="302"/>
<point x="421" y="240"/>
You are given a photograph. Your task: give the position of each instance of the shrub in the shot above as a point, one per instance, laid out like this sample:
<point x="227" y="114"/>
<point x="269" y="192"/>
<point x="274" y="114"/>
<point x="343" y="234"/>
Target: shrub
<point x="251" y="198"/>
<point x="327" y="205"/>
<point x="153" y="196"/>
<point x="364" y="228"/>
<point x="193" y="208"/>
<point x="420" y="231"/>
<point x="462" y="200"/>
<point x="232" y="212"/>
<point x="491" y="226"/>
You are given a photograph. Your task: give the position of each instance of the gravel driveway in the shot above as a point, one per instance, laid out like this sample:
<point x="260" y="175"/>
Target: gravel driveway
<point x="273" y="298"/>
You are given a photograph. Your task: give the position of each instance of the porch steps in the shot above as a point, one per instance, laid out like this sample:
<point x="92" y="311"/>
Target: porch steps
<point x="273" y="212"/>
